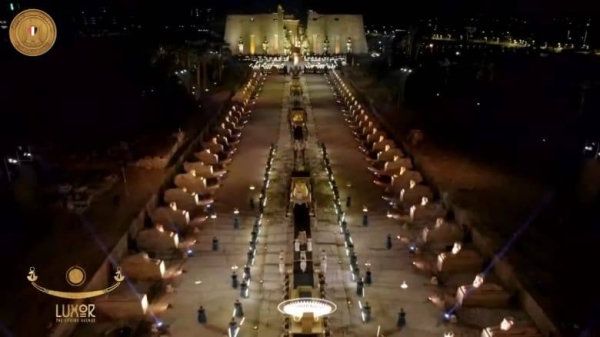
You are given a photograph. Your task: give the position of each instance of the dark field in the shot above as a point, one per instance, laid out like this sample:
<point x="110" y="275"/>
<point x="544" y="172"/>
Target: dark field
<point x="84" y="94"/>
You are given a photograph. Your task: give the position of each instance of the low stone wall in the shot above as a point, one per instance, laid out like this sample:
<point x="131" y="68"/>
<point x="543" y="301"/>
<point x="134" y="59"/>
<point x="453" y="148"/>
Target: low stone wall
<point x="487" y="245"/>
<point x="102" y="277"/>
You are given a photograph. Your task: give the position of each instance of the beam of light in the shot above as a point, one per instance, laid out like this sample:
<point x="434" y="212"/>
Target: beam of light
<point x="498" y="257"/>
<point x="115" y="265"/>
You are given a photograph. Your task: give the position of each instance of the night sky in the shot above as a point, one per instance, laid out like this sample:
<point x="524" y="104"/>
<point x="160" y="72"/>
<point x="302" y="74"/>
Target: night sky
<point x="385" y="10"/>
<point x="375" y="11"/>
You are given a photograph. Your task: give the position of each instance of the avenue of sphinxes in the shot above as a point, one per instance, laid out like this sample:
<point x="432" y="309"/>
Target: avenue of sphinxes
<point x="280" y="34"/>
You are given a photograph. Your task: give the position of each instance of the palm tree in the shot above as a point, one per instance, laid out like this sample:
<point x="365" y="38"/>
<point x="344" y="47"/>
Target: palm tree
<point x="199" y="54"/>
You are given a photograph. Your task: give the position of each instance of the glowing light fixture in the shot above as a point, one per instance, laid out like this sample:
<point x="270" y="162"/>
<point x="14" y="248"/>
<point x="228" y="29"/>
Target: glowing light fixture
<point x="507" y="323"/>
<point x="404" y="285"/>
<point x="298" y="307"/>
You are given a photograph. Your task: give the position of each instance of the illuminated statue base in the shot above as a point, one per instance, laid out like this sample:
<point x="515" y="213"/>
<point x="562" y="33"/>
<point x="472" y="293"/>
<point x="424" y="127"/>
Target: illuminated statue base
<point x="488" y="295"/>
<point x="157" y="241"/>
<point x="389" y="154"/>
<point x="365" y="131"/>
<point x="235" y="128"/>
<point x="212" y="147"/>
<point x="517" y="330"/>
<point x="202" y="170"/>
<point x="402" y="181"/>
<point x="372" y="139"/>
<point x="381" y="144"/>
<point x="174" y="220"/>
<point x="194" y="184"/>
<point x="207" y="157"/>
<point x="140" y="267"/>
<point x="225" y="132"/>
<point x="183" y="199"/>
<point x="392" y="167"/>
<point x="465" y="261"/>
<point x="124" y="303"/>
<point x="414" y="196"/>
<point x="429" y="212"/>
<point x="444" y="234"/>
<point x="359" y="122"/>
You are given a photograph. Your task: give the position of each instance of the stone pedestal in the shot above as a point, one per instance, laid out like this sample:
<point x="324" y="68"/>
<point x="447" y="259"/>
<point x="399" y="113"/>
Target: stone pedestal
<point x="518" y="329"/>
<point x="488" y="295"/>
<point x="182" y="198"/>
<point x="442" y="233"/>
<point x="140" y="267"/>
<point x="125" y="303"/>
<point x="158" y="241"/>
<point x="171" y="218"/>
<point x="464" y="261"/>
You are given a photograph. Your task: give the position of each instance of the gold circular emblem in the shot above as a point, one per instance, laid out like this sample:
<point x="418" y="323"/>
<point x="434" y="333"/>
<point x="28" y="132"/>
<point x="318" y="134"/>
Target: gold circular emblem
<point x="32" y="32"/>
<point x="75" y="276"/>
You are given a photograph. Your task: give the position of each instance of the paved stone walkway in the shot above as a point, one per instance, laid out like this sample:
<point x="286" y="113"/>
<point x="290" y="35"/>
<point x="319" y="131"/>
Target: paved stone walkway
<point x="389" y="267"/>
<point x="207" y="279"/>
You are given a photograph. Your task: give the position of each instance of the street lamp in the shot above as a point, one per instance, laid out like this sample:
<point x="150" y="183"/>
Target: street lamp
<point x="234" y="277"/>
<point x="236" y="219"/>
<point x="368" y="274"/>
<point x="213" y="218"/>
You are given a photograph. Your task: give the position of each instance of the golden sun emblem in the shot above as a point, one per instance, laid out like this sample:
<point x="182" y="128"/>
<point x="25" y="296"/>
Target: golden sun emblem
<point x="75" y="276"/>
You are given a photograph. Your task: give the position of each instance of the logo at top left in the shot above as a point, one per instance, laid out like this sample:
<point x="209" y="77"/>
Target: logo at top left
<point x="33" y="32"/>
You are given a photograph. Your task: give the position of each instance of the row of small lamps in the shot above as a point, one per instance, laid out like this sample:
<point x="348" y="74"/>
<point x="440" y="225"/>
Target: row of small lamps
<point x="368" y="279"/>
<point x="244" y="286"/>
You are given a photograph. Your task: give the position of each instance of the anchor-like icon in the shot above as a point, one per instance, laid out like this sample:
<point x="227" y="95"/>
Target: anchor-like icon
<point x="119" y="275"/>
<point x="31" y="276"/>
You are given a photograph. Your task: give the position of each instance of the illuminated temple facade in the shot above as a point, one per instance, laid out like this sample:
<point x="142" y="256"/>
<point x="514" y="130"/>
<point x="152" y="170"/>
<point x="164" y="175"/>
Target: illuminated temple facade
<point x="280" y="34"/>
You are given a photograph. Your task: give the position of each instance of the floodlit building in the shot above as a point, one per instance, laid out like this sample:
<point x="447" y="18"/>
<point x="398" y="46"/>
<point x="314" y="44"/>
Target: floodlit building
<point x="281" y="34"/>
